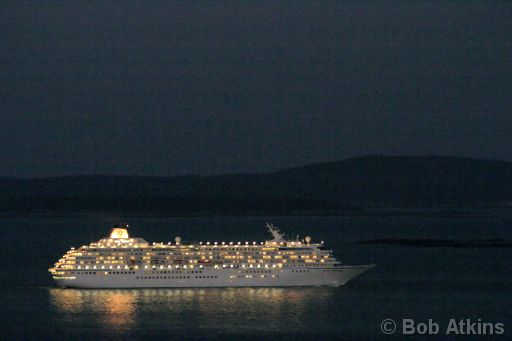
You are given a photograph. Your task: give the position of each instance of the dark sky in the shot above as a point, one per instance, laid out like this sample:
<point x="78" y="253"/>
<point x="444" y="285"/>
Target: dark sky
<point x="166" y="88"/>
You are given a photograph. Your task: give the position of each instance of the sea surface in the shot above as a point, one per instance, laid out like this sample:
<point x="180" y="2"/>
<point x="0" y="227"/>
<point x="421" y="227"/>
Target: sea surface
<point x="408" y="283"/>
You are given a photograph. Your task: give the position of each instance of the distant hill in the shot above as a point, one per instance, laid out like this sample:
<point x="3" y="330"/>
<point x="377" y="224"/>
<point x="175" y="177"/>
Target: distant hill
<point x="352" y="184"/>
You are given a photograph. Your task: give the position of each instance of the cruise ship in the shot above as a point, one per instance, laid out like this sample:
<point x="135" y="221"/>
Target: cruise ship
<point x="120" y="261"/>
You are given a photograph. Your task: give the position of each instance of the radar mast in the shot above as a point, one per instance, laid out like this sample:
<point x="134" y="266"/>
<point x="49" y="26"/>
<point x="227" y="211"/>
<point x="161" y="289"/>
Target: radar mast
<point x="276" y="233"/>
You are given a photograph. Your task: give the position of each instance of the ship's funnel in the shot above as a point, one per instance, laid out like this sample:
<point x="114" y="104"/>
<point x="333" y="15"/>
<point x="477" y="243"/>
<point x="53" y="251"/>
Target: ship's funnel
<point x="119" y="233"/>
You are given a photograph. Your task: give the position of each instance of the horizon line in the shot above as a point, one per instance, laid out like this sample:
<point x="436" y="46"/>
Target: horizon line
<point x="419" y="156"/>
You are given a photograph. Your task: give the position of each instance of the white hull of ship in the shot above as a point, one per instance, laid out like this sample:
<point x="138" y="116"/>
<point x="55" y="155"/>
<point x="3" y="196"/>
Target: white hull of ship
<point x="217" y="278"/>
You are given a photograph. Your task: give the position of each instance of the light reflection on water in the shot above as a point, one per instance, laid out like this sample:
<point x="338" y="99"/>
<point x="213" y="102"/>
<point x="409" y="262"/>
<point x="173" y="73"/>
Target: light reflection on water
<point x="115" y="308"/>
<point x="210" y="309"/>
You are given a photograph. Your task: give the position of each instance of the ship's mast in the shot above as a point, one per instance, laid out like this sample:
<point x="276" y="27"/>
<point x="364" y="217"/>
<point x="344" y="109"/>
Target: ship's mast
<point x="276" y="233"/>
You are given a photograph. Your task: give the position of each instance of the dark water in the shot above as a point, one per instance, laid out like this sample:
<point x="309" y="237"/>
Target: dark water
<point x="417" y="283"/>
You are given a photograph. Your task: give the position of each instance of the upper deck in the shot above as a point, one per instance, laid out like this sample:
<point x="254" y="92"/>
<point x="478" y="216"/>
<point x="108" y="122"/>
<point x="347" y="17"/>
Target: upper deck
<point x="119" y="250"/>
